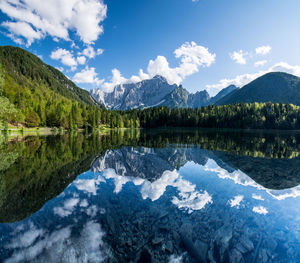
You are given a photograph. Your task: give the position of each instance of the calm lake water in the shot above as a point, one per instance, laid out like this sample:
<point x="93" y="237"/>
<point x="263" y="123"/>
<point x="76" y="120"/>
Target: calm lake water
<point x="151" y="196"/>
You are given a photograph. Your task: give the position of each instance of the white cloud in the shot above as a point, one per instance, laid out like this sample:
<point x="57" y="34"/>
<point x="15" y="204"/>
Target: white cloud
<point x="88" y="185"/>
<point x="236" y="201"/>
<point x="191" y="56"/>
<point x="90" y="52"/>
<point x="120" y="180"/>
<point x="88" y="75"/>
<point x="99" y="51"/>
<point x="54" y="18"/>
<point x="22" y="29"/>
<point x="192" y="201"/>
<point x="154" y="190"/>
<point x="160" y="66"/>
<point x="260" y="210"/>
<point x="27" y="238"/>
<point x="81" y="60"/>
<point x="260" y="63"/>
<point x="65" y="56"/>
<point x="84" y="203"/>
<point x="194" y="54"/>
<point x="60" y="245"/>
<point x="188" y="199"/>
<point x="244" y="79"/>
<point x="68" y="59"/>
<point x="92" y="211"/>
<point x="239" y="57"/>
<point x="68" y="207"/>
<point x="116" y="79"/>
<point x="263" y="50"/>
<point x="257" y="197"/>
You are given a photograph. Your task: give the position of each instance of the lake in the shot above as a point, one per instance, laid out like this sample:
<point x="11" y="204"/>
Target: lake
<point x="151" y="196"/>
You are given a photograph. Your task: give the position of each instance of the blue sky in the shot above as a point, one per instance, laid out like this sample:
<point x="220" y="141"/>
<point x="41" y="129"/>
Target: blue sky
<point x="204" y="44"/>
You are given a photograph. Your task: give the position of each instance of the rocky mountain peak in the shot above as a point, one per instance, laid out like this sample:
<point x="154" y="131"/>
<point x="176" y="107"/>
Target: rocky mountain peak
<point x="153" y="93"/>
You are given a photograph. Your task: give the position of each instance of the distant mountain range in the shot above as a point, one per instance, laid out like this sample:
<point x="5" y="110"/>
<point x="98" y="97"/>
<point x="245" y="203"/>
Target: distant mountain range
<point x="271" y="87"/>
<point x="155" y="92"/>
<point x="30" y="84"/>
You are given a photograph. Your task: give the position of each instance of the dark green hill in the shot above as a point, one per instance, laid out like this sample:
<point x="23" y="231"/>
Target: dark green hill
<point x="272" y="87"/>
<point x="224" y="92"/>
<point x="27" y="69"/>
<point x="35" y="94"/>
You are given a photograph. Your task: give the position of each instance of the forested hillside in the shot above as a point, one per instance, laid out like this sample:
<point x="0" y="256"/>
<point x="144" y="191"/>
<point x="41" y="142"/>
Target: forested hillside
<point x="240" y="115"/>
<point x="35" y="94"/>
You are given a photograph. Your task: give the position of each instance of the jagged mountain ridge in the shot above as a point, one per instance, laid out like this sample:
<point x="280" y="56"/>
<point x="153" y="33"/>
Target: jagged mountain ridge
<point x="146" y="93"/>
<point x="154" y="92"/>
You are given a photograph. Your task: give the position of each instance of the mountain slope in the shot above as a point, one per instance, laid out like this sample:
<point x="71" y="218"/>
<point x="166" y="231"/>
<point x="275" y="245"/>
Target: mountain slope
<point x="224" y="92"/>
<point x="273" y="87"/>
<point x="199" y="99"/>
<point x="178" y="98"/>
<point x="35" y="94"/>
<point x="25" y="68"/>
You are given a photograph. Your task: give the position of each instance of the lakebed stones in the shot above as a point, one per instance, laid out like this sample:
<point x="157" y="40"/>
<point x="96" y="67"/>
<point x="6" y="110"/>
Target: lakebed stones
<point x="157" y="240"/>
<point x="235" y="256"/>
<point x="204" y="236"/>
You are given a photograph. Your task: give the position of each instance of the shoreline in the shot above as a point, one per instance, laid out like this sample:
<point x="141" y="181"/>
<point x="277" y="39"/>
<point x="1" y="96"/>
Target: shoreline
<point x="13" y="131"/>
<point x="48" y="131"/>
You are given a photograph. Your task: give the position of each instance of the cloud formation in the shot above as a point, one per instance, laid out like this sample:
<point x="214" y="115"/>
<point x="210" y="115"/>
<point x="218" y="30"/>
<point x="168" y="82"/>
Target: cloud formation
<point x="260" y="63"/>
<point x="59" y="245"/>
<point x="88" y="75"/>
<point x="81" y="60"/>
<point x="260" y="210"/>
<point x="21" y="29"/>
<point x="90" y="52"/>
<point x="33" y="19"/>
<point x="263" y="50"/>
<point x="191" y="56"/>
<point x="67" y="208"/>
<point x="116" y="79"/>
<point x="65" y="57"/>
<point x="236" y="201"/>
<point x="239" y="57"/>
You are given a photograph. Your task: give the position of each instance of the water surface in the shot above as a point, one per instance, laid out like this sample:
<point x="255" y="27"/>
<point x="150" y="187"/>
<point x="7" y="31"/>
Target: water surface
<point x="151" y="196"/>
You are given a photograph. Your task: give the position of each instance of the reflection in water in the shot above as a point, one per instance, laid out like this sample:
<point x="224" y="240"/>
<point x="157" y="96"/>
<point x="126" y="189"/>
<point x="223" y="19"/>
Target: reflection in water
<point x="180" y="196"/>
<point x="189" y="198"/>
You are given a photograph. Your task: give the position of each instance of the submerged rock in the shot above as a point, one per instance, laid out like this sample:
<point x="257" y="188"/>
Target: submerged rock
<point x="263" y="256"/>
<point x="235" y="256"/>
<point x="157" y="240"/>
<point x="223" y="238"/>
<point x="246" y="243"/>
<point x="190" y="247"/>
<point x="145" y="257"/>
<point x="202" y="248"/>
<point x="169" y="247"/>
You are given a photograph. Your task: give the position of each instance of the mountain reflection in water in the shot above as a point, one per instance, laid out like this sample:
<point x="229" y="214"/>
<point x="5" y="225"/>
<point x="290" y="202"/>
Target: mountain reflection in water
<point x="151" y="196"/>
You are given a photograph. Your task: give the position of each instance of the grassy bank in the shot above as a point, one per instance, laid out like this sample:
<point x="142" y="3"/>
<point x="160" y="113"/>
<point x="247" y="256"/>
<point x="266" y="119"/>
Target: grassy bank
<point x="13" y="131"/>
